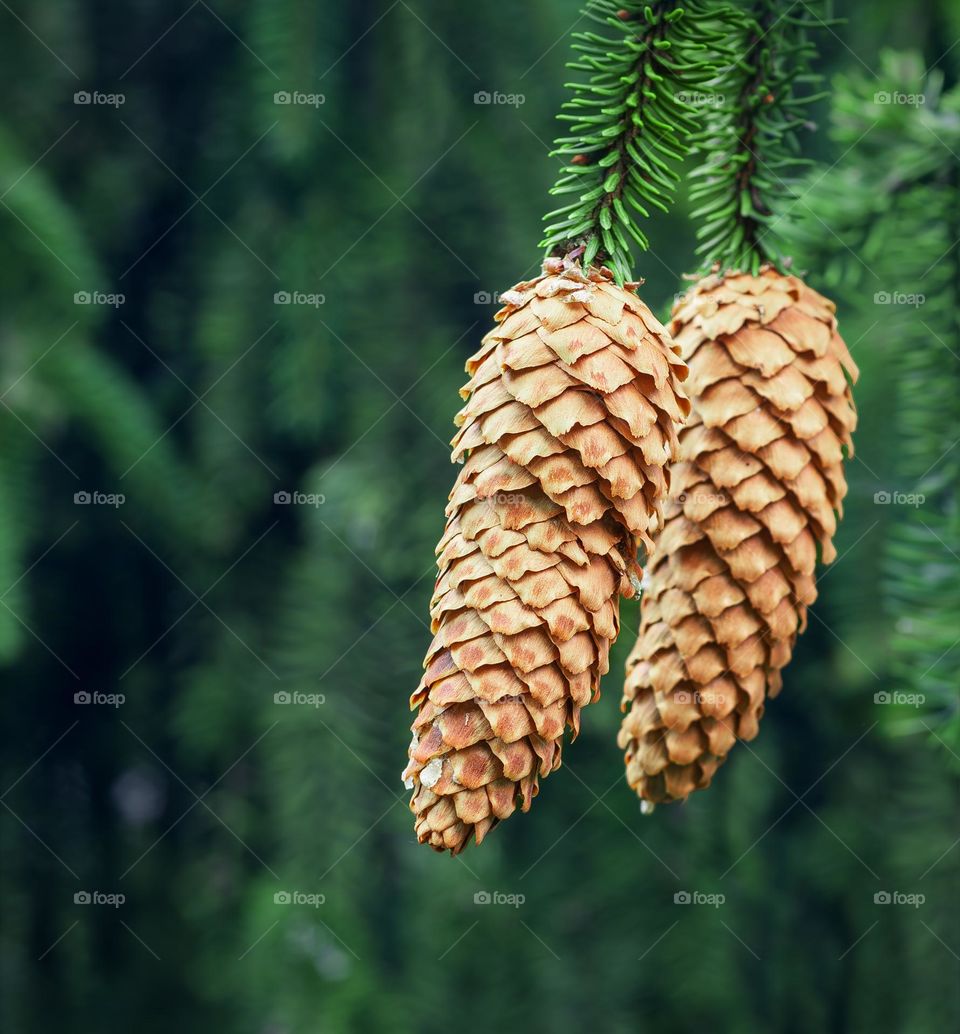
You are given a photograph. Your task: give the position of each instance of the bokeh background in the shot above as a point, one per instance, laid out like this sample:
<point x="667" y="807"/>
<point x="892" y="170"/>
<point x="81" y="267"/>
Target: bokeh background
<point x="210" y="296"/>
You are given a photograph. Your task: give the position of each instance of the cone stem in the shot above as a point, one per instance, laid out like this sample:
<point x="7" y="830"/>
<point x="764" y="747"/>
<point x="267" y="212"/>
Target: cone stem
<point x="631" y="124"/>
<point x="749" y="145"/>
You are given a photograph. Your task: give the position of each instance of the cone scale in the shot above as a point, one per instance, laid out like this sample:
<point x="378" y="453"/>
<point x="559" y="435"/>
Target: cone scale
<point x="571" y="414"/>
<point x="756" y="493"/>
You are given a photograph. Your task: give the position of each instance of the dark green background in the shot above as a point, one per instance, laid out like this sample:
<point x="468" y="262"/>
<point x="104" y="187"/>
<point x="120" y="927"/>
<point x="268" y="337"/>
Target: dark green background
<point x="199" y="798"/>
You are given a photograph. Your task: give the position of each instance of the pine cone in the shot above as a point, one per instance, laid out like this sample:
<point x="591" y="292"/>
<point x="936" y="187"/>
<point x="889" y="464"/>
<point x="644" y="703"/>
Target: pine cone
<point x="759" y="478"/>
<point x="572" y="408"/>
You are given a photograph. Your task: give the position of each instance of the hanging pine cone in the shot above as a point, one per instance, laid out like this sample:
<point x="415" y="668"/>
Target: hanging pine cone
<point x="756" y="489"/>
<point x="572" y="408"/>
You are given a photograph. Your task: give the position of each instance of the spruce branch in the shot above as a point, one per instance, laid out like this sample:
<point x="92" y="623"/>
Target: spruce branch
<point x="631" y="123"/>
<point x="750" y="143"/>
<point x="894" y="201"/>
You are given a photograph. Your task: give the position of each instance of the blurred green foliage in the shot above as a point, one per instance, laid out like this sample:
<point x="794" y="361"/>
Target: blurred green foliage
<point x="406" y="205"/>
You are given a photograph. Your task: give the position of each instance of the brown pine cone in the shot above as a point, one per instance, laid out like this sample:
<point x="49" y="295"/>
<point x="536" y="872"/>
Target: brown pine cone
<point x="756" y="489"/>
<point x="572" y="408"/>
